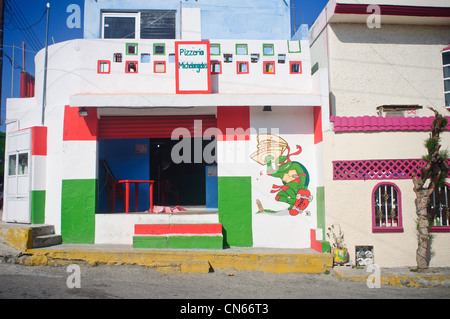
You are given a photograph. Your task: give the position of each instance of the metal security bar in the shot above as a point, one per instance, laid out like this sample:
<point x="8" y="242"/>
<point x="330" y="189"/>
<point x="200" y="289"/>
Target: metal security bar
<point x="439" y="206"/>
<point x="386" y="208"/>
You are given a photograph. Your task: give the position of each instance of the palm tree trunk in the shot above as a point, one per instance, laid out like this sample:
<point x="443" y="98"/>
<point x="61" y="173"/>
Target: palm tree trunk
<point x="423" y="232"/>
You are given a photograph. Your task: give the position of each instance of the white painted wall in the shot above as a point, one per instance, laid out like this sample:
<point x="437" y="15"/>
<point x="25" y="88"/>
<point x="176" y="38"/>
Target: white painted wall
<point x="396" y="64"/>
<point x="281" y="230"/>
<point x="256" y="81"/>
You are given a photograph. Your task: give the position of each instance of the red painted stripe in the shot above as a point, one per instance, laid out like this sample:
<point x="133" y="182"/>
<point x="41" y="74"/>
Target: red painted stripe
<point x="315" y="244"/>
<point x="178" y="229"/>
<point x="111" y="127"/>
<point x="151" y="229"/>
<point x="391" y="10"/>
<point x="77" y="128"/>
<point x="39" y="140"/>
<point x="318" y="135"/>
<point x="233" y="123"/>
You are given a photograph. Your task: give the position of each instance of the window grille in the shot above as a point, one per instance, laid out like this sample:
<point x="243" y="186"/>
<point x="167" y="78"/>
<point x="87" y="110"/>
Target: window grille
<point x="117" y="57"/>
<point x="446" y="66"/>
<point x="386" y="208"/>
<point x="438" y="209"/>
<point x="377" y="169"/>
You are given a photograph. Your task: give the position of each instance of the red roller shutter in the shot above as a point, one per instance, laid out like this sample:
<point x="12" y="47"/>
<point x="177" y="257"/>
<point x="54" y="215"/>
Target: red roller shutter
<point x="112" y="127"/>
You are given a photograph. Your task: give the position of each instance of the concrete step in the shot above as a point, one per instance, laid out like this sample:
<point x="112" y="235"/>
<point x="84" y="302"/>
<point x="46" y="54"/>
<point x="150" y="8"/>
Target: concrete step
<point x="181" y="236"/>
<point x="44" y="236"/>
<point x="46" y="240"/>
<point x="40" y="230"/>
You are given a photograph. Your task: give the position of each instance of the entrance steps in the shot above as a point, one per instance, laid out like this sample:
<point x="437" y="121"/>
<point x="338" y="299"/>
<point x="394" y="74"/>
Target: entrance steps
<point x="44" y="236"/>
<point x="25" y="236"/>
<point x="178" y="236"/>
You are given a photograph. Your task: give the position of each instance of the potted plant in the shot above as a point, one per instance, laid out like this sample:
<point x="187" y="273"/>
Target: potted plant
<point x="338" y="248"/>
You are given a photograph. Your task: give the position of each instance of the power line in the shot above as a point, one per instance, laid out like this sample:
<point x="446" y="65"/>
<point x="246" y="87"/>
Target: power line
<point x="22" y="25"/>
<point x="25" y="19"/>
<point x="26" y="24"/>
<point x="17" y="66"/>
<point x="34" y="24"/>
<point x="18" y="24"/>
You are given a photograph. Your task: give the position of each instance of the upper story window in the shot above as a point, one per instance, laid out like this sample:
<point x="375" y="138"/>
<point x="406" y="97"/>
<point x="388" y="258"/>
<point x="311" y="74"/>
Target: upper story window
<point x="439" y="210"/>
<point x="446" y="65"/>
<point x="144" y="24"/>
<point x="117" y="25"/>
<point x="386" y="208"/>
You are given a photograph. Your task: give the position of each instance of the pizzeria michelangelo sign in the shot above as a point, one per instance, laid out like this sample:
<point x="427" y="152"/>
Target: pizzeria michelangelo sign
<point x="192" y="73"/>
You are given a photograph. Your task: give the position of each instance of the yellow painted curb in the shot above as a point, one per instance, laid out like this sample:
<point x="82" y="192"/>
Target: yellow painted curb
<point x="170" y="261"/>
<point x="17" y="237"/>
<point x="424" y="280"/>
<point x="195" y="262"/>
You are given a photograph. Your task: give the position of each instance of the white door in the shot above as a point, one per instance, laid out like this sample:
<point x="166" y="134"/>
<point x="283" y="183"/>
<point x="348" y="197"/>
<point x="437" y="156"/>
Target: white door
<point x="17" y="207"/>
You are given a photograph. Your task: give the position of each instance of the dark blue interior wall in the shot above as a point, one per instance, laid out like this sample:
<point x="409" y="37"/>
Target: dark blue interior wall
<point x="127" y="159"/>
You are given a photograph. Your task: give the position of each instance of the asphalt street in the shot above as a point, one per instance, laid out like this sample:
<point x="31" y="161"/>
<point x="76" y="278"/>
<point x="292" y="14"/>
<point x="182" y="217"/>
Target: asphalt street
<point x="126" y="282"/>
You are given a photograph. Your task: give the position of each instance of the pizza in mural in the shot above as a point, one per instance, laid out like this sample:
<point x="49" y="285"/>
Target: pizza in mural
<point x="292" y="189"/>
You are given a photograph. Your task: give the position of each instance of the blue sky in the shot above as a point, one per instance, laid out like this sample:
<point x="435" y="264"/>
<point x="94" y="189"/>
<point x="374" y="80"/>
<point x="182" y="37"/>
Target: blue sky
<point x="29" y="13"/>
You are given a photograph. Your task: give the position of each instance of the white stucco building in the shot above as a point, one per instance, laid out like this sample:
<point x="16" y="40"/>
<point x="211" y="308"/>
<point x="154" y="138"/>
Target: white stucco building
<point x="244" y="105"/>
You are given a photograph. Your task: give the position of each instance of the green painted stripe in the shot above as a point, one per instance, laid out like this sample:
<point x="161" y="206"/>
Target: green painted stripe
<point x="315" y="68"/>
<point x="150" y="242"/>
<point x="235" y="210"/>
<point x="178" y="242"/>
<point x="78" y="203"/>
<point x="191" y="242"/>
<point x="38" y="207"/>
<point x="320" y="197"/>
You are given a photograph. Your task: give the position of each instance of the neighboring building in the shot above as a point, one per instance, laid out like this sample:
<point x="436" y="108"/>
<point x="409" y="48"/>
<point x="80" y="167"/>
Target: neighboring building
<point x="228" y="78"/>
<point x="381" y="81"/>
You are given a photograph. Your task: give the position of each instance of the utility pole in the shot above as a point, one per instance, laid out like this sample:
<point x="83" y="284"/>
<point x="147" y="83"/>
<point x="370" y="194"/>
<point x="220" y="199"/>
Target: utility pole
<point x="44" y="93"/>
<point x="295" y="22"/>
<point x="2" y="18"/>
<point x="12" y="72"/>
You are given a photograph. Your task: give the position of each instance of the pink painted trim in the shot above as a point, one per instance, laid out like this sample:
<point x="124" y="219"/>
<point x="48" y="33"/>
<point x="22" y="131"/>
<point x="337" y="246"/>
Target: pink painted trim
<point x="381" y="124"/>
<point x="440" y="229"/>
<point x="393" y="10"/>
<point x="377" y="169"/>
<point x="378" y="229"/>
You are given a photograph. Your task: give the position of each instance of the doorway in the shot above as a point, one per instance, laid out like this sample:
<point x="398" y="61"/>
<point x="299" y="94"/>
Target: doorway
<point x="182" y="183"/>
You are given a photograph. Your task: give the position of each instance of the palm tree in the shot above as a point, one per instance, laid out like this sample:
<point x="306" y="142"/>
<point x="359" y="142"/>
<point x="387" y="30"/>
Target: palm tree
<point x="435" y="171"/>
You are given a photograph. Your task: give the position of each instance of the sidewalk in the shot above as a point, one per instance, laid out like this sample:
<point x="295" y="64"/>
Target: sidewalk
<point x="163" y="260"/>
